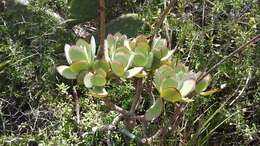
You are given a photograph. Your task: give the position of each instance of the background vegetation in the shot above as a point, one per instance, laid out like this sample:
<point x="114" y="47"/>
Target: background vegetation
<point x="36" y="105"/>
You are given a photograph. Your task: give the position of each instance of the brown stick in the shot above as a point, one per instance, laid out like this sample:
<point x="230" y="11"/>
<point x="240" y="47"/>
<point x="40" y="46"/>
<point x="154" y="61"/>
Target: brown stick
<point x="160" y="20"/>
<point x="114" y="107"/>
<point x="138" y="91"/>
<point x="101" y="29"/>
<point x="77" y="108"/>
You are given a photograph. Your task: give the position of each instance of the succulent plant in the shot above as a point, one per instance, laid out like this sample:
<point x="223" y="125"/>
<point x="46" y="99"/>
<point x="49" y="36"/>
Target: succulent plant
<point x="143" y="57"/>
<point x="127" y="58"/>
<point x="175" y="82"/>
<point x="84" y="67"/>
<point x="120" y="56"/>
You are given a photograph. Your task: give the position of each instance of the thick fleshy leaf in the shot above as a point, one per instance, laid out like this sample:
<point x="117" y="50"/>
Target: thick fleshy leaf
<point x="142" y="47"/>
<point x="93" y="45"/>
<point x="169" y="54"/>
<point x="110" y="41"/>
<point x="122" y="49"/>
<point x="102" y="64"/>
<point x="106" y="52"/>
<point x="122" y="58"/>
<point x="130" y="62"/>
<point x="66" y="50"/>
<point x="209" y="92"/>
<point x="82" y="43"/>
<point x="149" y="61"/>
<point x="154" y="111"/>
<point x="158" y="42"/>
<point x="187" y="87"/>
<point x="141" y="74"/>
<point x="99" y="92"/>
<point x="171" y="94"/>
<point x="158" y="78"/>
<point x="141" y="38"/>
<point x="87" y="48"/>
<point x="160" y="52"/>
<point x="186" y="100"/>
<point x="80" y="77"/>
<point x="180" y="67"/>
<point x="101" y="72"/>
<point x="87" y="80"/>
<point x="166" y="71"/>
<point x="133" y="72"/>
<point x="98" y="80"/>
<point x="159" y="48"/>
<point x="180" y="76"/>
<point x="203" y="84"/>
<point x="168" y="83"/>
<point x="79" y="66"/>
<point x="66" y="72"/>
<point x="77" y="54"/>
<point x="117" y="68"/>
<point x="140" y="60"/>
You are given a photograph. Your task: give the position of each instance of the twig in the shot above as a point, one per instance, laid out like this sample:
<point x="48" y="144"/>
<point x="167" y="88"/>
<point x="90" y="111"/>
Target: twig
<point x="102" y="29"/>
<point x="77" y="108"/>
<point x="245" y="86"/>
<point x="138" y="91"/>
<point x="167" y="30"/>
<point x="160" y="20"/>
<point x="241" y="48"/>
<point x="77" y="104"/>
<point x="124" y="113"/>
<point x="114" y="107"/>
<point x="108" y="127"/>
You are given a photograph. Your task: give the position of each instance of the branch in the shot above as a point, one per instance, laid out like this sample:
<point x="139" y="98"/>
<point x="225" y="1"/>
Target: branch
<point x="115" y="108"/>
<point x="241" y="48"/>
<point x="245" y="86"/>
<point x="160" y="20"/>
<point x="77" y="108"/>
<point x="138" y="91"/>
<point x="77" y="105"/>
<point x="101" y="29"/>
<point x="124" y="113"/>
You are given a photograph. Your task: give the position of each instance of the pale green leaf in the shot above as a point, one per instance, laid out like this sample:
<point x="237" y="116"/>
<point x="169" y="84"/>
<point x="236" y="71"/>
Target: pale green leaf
<point x="99" y="92"/>
<point x="77" y="54"/>
<point x="187" y="87"/>
<point x="98" y="80"/>
<point x="155" y="110"/>
<point x="66" y="50"/>
<point x="87" y="80"/>
<point x="169" y="54"/>
<point x="171" y="94"/>
<point x="80" y="77"/>
<point x="66" y="72"/>
<point x="168" y="83"/>
<point x="133" y="72"/>
<point x="149" y="60"/>
<point x="117" y="68"/>
<point x="79" y="66"/>
<point x="93" y="46"/>
<point x="203" y="84"/>
<point x="140" y="60"/>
